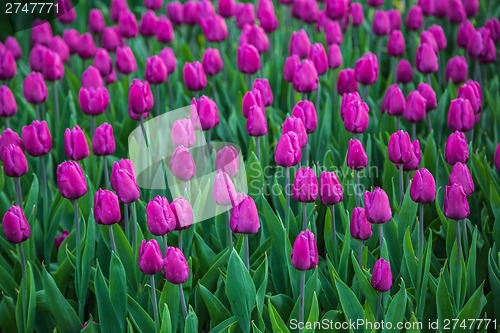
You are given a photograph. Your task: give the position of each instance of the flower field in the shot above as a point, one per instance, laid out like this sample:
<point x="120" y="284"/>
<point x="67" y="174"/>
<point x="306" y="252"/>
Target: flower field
<point x="266" y="166"/>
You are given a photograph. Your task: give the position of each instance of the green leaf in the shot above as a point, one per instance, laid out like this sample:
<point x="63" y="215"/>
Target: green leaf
<point x="423" y="288"/>
<point x="225" y="326"/>
<point x="140" y="317"/>
<point x="443" y="302"/>
<point x="366" y="287"/>
<point x="106" y="313"/>
<point x="277" y="323"/>
<point x="217" y="311"/>
<point x="191" y="322"/>
<point x="313" y="314"/>
<point x="88" y="256"/>
<point x="64" y="315"/>
<point x="260" y="279"/>
<point x="166" y="324"/>
<point x="170" y="296"/>
<point x="472" y="309"/>
<point x="118" y="289"/>
<point x="396" y="312"/>
<point x="240" y="291"/>
<point x="350" y="304"/>
<point x="26" y="302"/>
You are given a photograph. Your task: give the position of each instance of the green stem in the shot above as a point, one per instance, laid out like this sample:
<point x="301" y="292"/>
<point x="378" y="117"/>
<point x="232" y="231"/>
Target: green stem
<point x="287" y="196"/>
<point x="381" y="235"/>
<point x="78" y="257"/>
<point x="22" y="260"/>
<point x="133" y="225"/>
<point x="19" y="194"/>
<point x="360" y="253"/>
<point x="106" y="171"/>
<point x="155" y="303"/>
<point x="183" y="301"/>
<point x="125" y="219"/>
<point x="304" y="216"/>
<point x="112" y="239"/>
<point x="229" y="232"/>
<point x="421" y="232"/>
<point x="257" y="147"/>
<point x="301" y="300"/>
<point x="56" y="104"/>
<point x="357" y="190"/>
<point x="466" y="240"/>
<point x="459" y="243"/>
<point x="247" y="252"/>
<point x="165" y="242"/>
<point x="401" y="185"/>
<point x="379" y="305"/>
<point x="334" y="231"/>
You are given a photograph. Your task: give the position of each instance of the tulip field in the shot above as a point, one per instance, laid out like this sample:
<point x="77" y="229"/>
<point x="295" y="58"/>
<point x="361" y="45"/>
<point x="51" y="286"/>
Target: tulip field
<point x="261" y="166"/>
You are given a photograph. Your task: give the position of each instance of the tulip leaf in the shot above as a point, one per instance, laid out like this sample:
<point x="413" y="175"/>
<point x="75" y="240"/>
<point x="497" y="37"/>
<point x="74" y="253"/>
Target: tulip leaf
<point x="397" y="308"/>
<point x="166" y="324"/>
<point x="7" y="283"/>
<point x="260" y="279"/>
<point x="255" y="176"/>
<point x="26" y="302"/>
<point x="277" y="323"/>
<point x="126" y="255"/>
<point x="106" y="313"/>
<point x="63" y="313"/>
<point x="191" y="322"/>
<point x="217" y="311"/>
<point x="88" y="256"/>
<point x="443" y="302"/>
<point x="170" y="296"/>
<point x="118" y="289"/>
<point x="225" y="326"/>
<point x="471" y="266"/>
<point x="472" y="309"/>
<point x="365" y="285"/>
<point x="350" y="304"/>
<point x="410" y="259"/>
<point x="240" y="291"/>
<point x="423" y="286"/>
<point x="313" y="314"/>
<point x="140" y="317"/>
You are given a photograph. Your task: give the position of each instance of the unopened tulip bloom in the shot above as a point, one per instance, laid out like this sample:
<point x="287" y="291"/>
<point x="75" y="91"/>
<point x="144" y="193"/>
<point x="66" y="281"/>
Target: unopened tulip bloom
<point x="92" y="101"/>
<point x="426" y="60"/>
<point x="262" y="85"/>
<point x="8" y="105"/>
<point x="414" y="19"/>
<point x="416" y="157"/>
<point x="103" y="142"/>
<point x="123" y="181"/>
<point x="148" y="26"/>
<point x="14" y="161"/>
<point x="9" y="137"/>
<point x="248" y="59"/>
<point x="34" y="88"/>
<point x="375" y="3"/>
<point x="214" y="28"/>
<point x="58" y="45"/>
<point x="245" y="217"/>
<point x="439" y="35"/>
<point x="75" y="144"/>
<point x="288" y="150"/>
<point x="305" y="186"/>
<point x="244" y="13"/>
<point x="183" y="213"/>
<point x="268" y="20"/>
<point x="306" y="111"/>
<point x="205" y="112"/>
<point x="102" y="61"/>
<point x="423" y="187"/>
<point x="153" y="4"/>
<point x="182" y="164"/>
<point x="465" y="32"/>
<point x="168" y="57"/>
<point x="394" y="101"/>
<point x="441" y="8"/>
<point x="356" y="116"/>
<point x="224" y="192"/>
<point x="456" y="206"/>
<point x="359" y="225"/>
<point x="426" y="37"/>
<point x="256" y="36"/>
<point x="164" y="30"/>
<point x="356" y="13"/>
<point x="319" y="58"/>
<point x="36" y="57"/>
<point x="493" y="25"/>
<point x="226" y="8"/>
<point x="86" y="46"/>
<point x="456" y="149"/>
<point x="378" y="209"/>
<point x="116" y="8"/>
<point x="456" y="11"/>
<point x="13" y="46"/>
<point x="175" y="266"/>
<point x="305" y="78"/>
<point x="471" y="91"/>
<point x="256" y="122"/>
<point x="194" y="76"/>
<point x="427" y="7"/>
<point x="396" y="44"/>
<point x="15" y="225"/>
<point x="71" y="180"/>
<point x="334" y="56"/>
<point x="460" y="115"/>
<point x="70" y="37"/>
<point x="227" y="160"/>
<point x="404" y="72"/>
<point x="336" y="9"/>
<point x="381" y="276"/>
<point x="295" y="124"/>
<point x="395" y="19"/>
<point x="415" y="107"/>
<point x="150" y="260"/>
<point x="346" y="81"/>
<point x="471" y="7"/>
<point x="366" y="69"/>
<point x="36" y="138"/>
<point x="456" y="69"/>
<point x="399" y="148"/>
<point x="347" y="98"/>
<point x="430" y="96"/>
<point x="110" y="78"/>
<point x="156" y="71"/>
<point x="183" y="133"/>
<point x="304" y="252"/>
<point x="41" y="32"/>
<point x="159" y="216"/>
<point x="212" y="61"/>
<point x="381" y="24"/>
<point x="111" y="39"/>
<point x="66" y="11"/>
<point x="175" y="12"/>
<point x="125" y="60"/>
<point x="53" y="68"/>
<point x="127" y="24"/>
<point x="306" y="11"/>
<point x="292" y="63"/>
<point x="106" y="207"/>
<point x="497" y="158"/>
<point x="96" y="21"/>
<point x="140" y="97"/>
<point x="300" y="44"/>
<point x="333" y="33"/>
<point x="91" y="78"/>
<point x="331" y="192"/>
<point x="460" y="174"/>
<point x="58" y="240"/>
<point x="356" y="155"/>
<point x="191" y="13"/>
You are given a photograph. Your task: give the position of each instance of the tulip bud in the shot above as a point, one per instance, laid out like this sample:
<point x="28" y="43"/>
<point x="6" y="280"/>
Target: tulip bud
<point x="156" y="71"/>
<point x="92" y="101"/>
<point x="245" y="217"/>
<point x="375" y="3"/>
<point x="430" y="96"/>
<point x="304" y="252"/>
<point x="305" y="10"/>
<point x="471" y="91"/>
<point x="58" y="240"/>
<point x="214" y="28"/>
<point x="268" y="19"/>
<point x="366" y="69"/>
<point x="91" y="78"/>
<point x="356" y="13"/>
<point x="111" y="39"/>
<point x="66" y="11"/>
<point x="493" y="25"/>
<point x="205" y="113"/>
<point x="102" y="61"/>
<point x="183" y="133"/>
<point x="415" y="107"/>
<point x="460" y="175"/>
<point x="292" y="63"/>
<point x="75" y="144"/>
<point x="414" y="19"/>
<point x="307" y="113"/>
<point x="227" y="160"/>
<point x="14" y="161"/>
<point x="13" y="46"/>
<point x="71" y="180"/>
<point x="164" y="30"/>
<point x="224" y="192"/>
<point x="394" y="101"/>
<point x="226" y="8"/>
<point x="426" y="37"/>
<point x="111" y="78"/>
<point x="175" y="266"/>
<point x="460" y="115"/>
<point x="426" y="60"/>
<point x="423" y="187"/>
<point x="194" y="76"/>
<point x="256" y="122"/>
<point x="319" y="58"/>
<point x="123" y="181"/>
<point x="212" y="61"/>
<point x="381" y="25"/>
<point x="427" y="7"/>
<point x="59" y="46"/>
<point x="183" y="213"/>
<point x="456" y="206"/>
<point x="191" y="13"/>
<point x="399" y="148"/>
<point x="416" y="157"/>
<point x="288" y="150"/>
<point x="347" y="98"/>
<point x="37" y="139"/>
<point x="149" y="25"/>
<point x="159" y="216"/>
<point x="250" y="99"/>
<point x="41" y="32"/>
<point x="168" y="57"/>
<point x="394" y="19"/>
<point x="471" y="7"/>
<point x="300" y="44"/>
<point x="153" y="4"/>
<point x="70" y="37"/>
<point x="377" y="207"/>
<point x="140" y="97"/>
<point x="441" y="8"/>
<point x="465" y="32"/>
<point x="331" y="192"/>
<point x="86" y="46"/>
<point x="456" y="11"/>
<point x="8" y="105"/>
<point x="497" y="158"/>
<point x="336" y="9"/>
<point x="295" y="124"/>
<point x="404" y="72"/>
<point x="346" y="81"/>
<point x="182" y="164"/>
<point x="359" y="226"/>
<point x="356" y="116"/>
<point x="36" y="57"/>
<point x="334" y="56"/>
<point x="256" y="36"/>
<point x="103" y="142"/>
<point x="96" y="21"/>
<point x="356" y="155"/>
<point x="382" y="276"/>
<point x="248" y="59"/>
<point x="333" y="33"/>
<point x="125" y="60"/>
<point x="150" y="261"/>
<point x="456" y="149"/>
<point x="175" y="12"/>
<point x="9" y="137"/>
<point x="106" y="207"/>
<point x="456" y="69"/>
<point x="305" y="186"/>
<point x="244" y="13"/>
<point x="396" y="44"/>
<point x="305" y="78"/>
<point x="438" y="33"/>
<point x="34" y="88"/>
<point x="262" y="85"/>
<point x="15" y="225"/>
<point x="127" y="24"/>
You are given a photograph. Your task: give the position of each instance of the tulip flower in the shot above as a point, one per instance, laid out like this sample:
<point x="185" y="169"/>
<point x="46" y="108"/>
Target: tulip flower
<point x="175" y="12"/>
<point x="212" y="62"/>
<point x="356" y="13"/>
<point x="103" y="144"/>
<point x="292" y="63"/>
<point x="456" y="149"/>
<point x="471" y="91"/>
<point x="456" y="207"/>
<point x="85" y="47"/>
<point x="102" y="61"/>
<point x="248" y="59"/>
<point x="111" y="39"/>
<point x="416" y="157"/>
<point x="92" y="101"/>
<point x="204" y="113"/>
<point x="91" y="78"/>
<point x="41" y="32"/>
<point x="456" y="11"/>
<point x="377" y="209"/>
<point x="401" y="152"/>
<point x="381" y="276"/>
<point x="153" y="4"/>
<point x="168" y="57"/>
<point x="140" y="98"/>
<point x="415" y="109"/>
<point x="356" y="155"/>
<point x="394" y="102"/>
<point x="226" y="8"/>
<point x="123" y="181"/>
<point x="439" y="35"/>
<point x="224" y="192"/>
<point x="300" y="44"/>
<point x="36" y="57"/>
<point x="381" y="24"/>
<point x="414" y="19"/>
<point x="8" y="67"/>
<point x="16" y="230"/>
<point x="214" y="28"/>
<point x="176" y="271"/>
<point x="256" y="125"/>
<point x="404" y="72"/>
<point x="396" y="44"/>
<point x="244" y="14"/>
<point x="426" y="59"/>
<point x="34" y="89"/>
<point x="149" y="25"/>
<point x="182" y="164"/>
<point x="52" y="68"/>
<point x="361" y="229"/>
<point x="9" y="137"/>
<point x="306" y="111"/>
<point x="125" y="60"/>
<point x="194" y="76"/>
<point x="441" y="8"/>
<point x="262" y="85"/>
<point x="319" y="58"/>
<point x="227" y="161"/>
<point x="8" y="105"/>
<point x="183" y="133"/>
<point x="460" y="175"/>
<point x="456" y="69"/>
<point x="164" y="30"/>
<point x="58" y="240"/>
<point x="160" y="218"/>
<point x="460" y="115"/>
<point x="356" y="116"/>
<point x="426" y="37"/>
<point x="75" y="144"/>
<point x="156" y="73"/>
<point x="305" y="189"/>
<point x="150" y="259"/>
<point x="107" y="212"/>
<point x="268" y="20"/>
<point x="305" y="78"/>
<point x="256" y="36"/>
<point x="96" y="22"/>
<point x="366" y="71"/>
<point x="334" y="56"/>
<point x="70" y="37"/>
<point x="15" y="165"/>
<point x="183" y="215"/>
<point x="346" y="81"/>
<point x="296" y="125"/>
<point x="36" y="138"/>
<point x="13" y="46"/>
<point x="493" y="25"/>
<point x="127" y="24"/>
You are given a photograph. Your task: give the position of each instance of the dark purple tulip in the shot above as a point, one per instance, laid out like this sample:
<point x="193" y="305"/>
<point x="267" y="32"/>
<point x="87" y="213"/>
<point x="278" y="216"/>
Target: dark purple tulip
<point x="58" y="45"/>
<point x="456" y="11"/>
<point x="168" y="57"/>
<point x="256" y="36"/>
<point x="226" y="8"/>
<point x="306" y="111"/>
<point x="125" y="60"/>
<point x="304" y="252"/>
<point x="347" y="98"/>
<point x="426" y="37"/>
<point x="227" y="160"/>
<point x="106" y="207"/>
<point x="346" y="81"/>
<point x="150" y="260"/>
<point x="123" y="181"/>
<point x="334" y="56"/>
<point x="268" y="20"/>
<point x="471" y="91"/>
<point x="244" y="13"/>
<point x="175" y="12"/>
<point x="41" y="32"/>
<point x="96" y="21"/>
<point x="404" y="72"/>
<point x="441" y="8"/>
<point x="214" y="28"/>
<point x="8" y="105"/>
<point x="427" y="7"/>
<point x="305" y="78"/>
<point x="111" y="39"/>
<point x="9" y="137"/>
<point x="70" y="37"/>
<point x="127" y="24"/>
<point x="256" y="122"/>
<point x="465" y="32"/>
<point x="456" y="69"/>
<point x="248" y="59"/>
<point x="103" y="142"/>
<point x="37" y="139"/>
<point x="414" y="19"/>
<point x="426" y="59"/>
<point x="92" y="101"/>
<point x="86" y="46"/>
<point x="475" y="44"/>
<point x="430" y="96"/>
<point x="471" y="7"/>
<point x="395" y="19"/>
<point x="212" y="61"/>
<point x="183" y="213"/>
<point x="493" y="25"/>
<point x="399" y="148"/>
<point x="110" y="78"/>
<point x="91" y="78"/>
<point x="319" y="58"/>
<point x="456" y="206"/>
<point x="381" y="25"/>
<point x="460" y="115"/>
<point x="34" y="88"/>
<point x="356" y="155"/>
<point x="182" y="164"/>
<point x="164" y="30"/>
<point x="331" y="192"/>
<point x="336" y="9"/>
<point x="305" y="10"/>
<point x="194" y="76"/>
<point x="423" y="187"/>
<point x="37" y="57"/>
<point x="191" y="13"/>
<point x="439" y="35"/>
<point x="295" y="124"/>
<point x="456" y="149"/>
<point x="102" y="61"/>
<point x="415" y="107"/>
<point x="356" y="14"/>
<point x="396" y="44"/>
<point x="71" y="180"/>
<point x="377" y="207"/>
<point x="356" y="116"/>
<point x="175" y="266"/>
<point x="156" y="70"/>
<point x="13" y="46"/>
<point x="288" y="150"/>
<point x="205" y="112"/>
<point x="262" y="85"/>
<point x="14" y="161"/>
<point x="153" y="4"/>
<point x="292" y="63"/>
<point x="250" y="99"/>
<point x="245" y="217"/>
<point x="460" y="175"/>
<point x="58" y="240"/>
<point x="381" y="276"/>
<point x="394" y="101"/>
<point x="416" y="157"/>
<point x="300" y="44"/>
<point x="116" y="8"/>
<point x="66" y="11"/>
<point x="375" y="3"/>
<point x="359" y="226"/>
<point x="15" y="225"/>
<point x="366" y="69"/>
<point x="75" y="144"/>
<point x="159" y="216"/>
<point x="140" y="97"/>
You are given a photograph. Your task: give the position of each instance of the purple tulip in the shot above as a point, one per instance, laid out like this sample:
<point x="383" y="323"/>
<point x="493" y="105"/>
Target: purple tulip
<point x="91" y="78"/>
<point x="15" y="225"/>
<point x="399" y="148"/>
<point x="356" y="155"/>
<point x="395" y="19"/>
<point x="156" y="71"/>
<point x="194" y="76"/>
<point x="306" y="111"/>
<point x="164" y="30"/>
<point x="14" y="161"/>
<point x="460" y="115"/>
<point x="359" y="225"/>
<point x="456" y="206"/>
<point x="58" y="240"/>
<point x="396" y="44"/>
<point x="214" y="28"/>
<point x="356" y="13"/>
<point x="377" y="206"/>
<point x="86" y="46"/>
<point x="305" y="185"/>
<point x="150" y="261"/>
<point x="125" y="60"/>
<point x="183" y="133"/>
<point x="471" y="7"/>
<point x="426" y="37"/>
<point x="183" y="213"/>
<point x="9" y="137"/>
<point x="394" y="101"/>
<point x="182" y="164"/>
<point x="430" y="96"/>
<point x="13" y="46"/>
<point x="414" y="19"/>
<point x="416" y="157"/>
<point x="295" y="124"/>
<point x="111" y="39"/>
<point x="381" y="24"/>
<point x="36" y="57"/>
<point x="460" y="175"/>
<point x="268" y="20"/>
<point x="493" y="25"/>
<point x="37" y="139"/>
<point x="127" y="24"/>
<point x="106" y="207"/>
<point x="334" y="56"/>
<point x="347" y="98"/>
<point x="300" y="44"/>
<point x="149" y="27"/>
<point x="381" y="276"/>
<point x="227" y="160"/>
<point x="70" y="37"/>
<point x="204" y="112"/>
<point x="456" y="149"/>
<point x="288" y="150"/>
<point x="292" y="63"/>
<point x="168" y="57"/>
<point x="304" y="252"/>
<point x="356" y="116"/>
<point x="404" y="72"/>
<point x="423" y="187"/>
<point x="331" y="192"/>
<point x="175" y="266"/>
<point x="262" y="85"/>
<point x="256" y="122"/>
<point x="415" y="107"/>
<point x="256" y="36"/>
<point x="439" y="35"/>
<point x="427" y="7"/>
<point x="248" y="59"/>
<point x="319" y="58"/>
<point x="191" y="13"/>
<point x="465" y="32"/>
<point x="59" y="46"/>
<point x="153" y="4"/>
<point x="212" y="61"/>
<point x="96" y="21"/>
<point x="245" y="217"/>
<point x="244" y="13"/>
<point x="140" y="97"/>
<point x="75" y="144"/>
<point x="123" y="181"/>
<point x="333" y="33"/>
<point x="159" y="216"/>
<point x="226" y="8"/>
<point x="175" y="12"/>
<point x="102" y="61"/>
<point x="366" y="69"/>
<point x="34" y="88"/>
<point x="336" y="9"/>
<point x="426" y="60"/>
<point x="456" y="11"/>
<point x="41" y="32"/>
<point x="103" y="142"/>
<point x="471" y="91"/>
<point x="346" y="81"/>
<point x="8" y="105"/>
<point x="441" y="8"/>
<point x="71" y="180"/>
<point x="456" y="70"/>
<point x="92" y="101"/>
<point x="305" y="78"/>
<point x="224" y="192"/>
